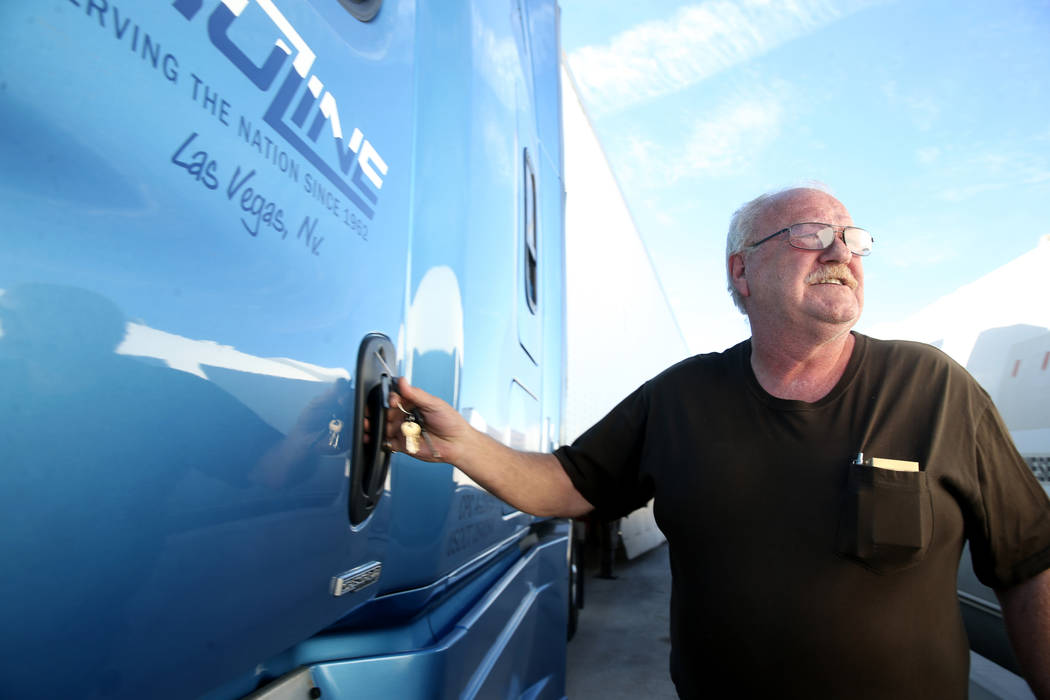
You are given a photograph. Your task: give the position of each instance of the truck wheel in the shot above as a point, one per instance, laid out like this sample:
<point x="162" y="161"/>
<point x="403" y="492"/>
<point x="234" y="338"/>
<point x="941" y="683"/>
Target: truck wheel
<point x="575" y="582"/>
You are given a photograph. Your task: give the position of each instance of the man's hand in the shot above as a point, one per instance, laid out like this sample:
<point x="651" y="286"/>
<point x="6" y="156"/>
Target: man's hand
<point x="446" y="430"/>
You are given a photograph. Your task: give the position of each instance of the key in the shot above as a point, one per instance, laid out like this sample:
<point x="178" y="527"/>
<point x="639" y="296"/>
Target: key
<point x="335" y="426"/>
<point x="426" y="435"/>
<point x="411" y="429"/>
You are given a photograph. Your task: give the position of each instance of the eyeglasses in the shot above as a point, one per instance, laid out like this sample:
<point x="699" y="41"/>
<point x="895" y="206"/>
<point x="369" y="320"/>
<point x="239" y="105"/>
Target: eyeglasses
<point x="811" y="235"/>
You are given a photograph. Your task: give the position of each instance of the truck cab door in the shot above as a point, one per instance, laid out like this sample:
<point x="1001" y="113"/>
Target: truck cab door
<point x="203" y="253"/>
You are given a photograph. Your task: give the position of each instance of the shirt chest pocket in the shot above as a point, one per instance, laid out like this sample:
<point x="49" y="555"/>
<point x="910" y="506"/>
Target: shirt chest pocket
<point x="885" y="518"/>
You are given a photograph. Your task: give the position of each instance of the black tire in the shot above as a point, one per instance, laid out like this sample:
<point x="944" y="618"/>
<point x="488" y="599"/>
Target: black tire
<point x="575" y="582"/>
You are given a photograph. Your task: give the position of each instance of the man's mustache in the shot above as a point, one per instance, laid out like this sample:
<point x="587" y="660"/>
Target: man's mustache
<point x="834" y="271"/>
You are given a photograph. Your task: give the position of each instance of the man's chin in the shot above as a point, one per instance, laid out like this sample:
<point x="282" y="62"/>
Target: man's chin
<point x="837" y="314"/>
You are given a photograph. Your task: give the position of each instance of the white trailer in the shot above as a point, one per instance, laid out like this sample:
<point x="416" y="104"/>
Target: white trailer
<point x="620" y="329"/>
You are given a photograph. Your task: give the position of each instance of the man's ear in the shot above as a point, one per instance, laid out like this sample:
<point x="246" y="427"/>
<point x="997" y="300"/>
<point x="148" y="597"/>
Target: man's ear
<point x="738" y="274"/>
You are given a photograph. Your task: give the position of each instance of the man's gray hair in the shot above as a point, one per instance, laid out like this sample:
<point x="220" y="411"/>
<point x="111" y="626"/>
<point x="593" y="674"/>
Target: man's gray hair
<point x="742" y="225"/>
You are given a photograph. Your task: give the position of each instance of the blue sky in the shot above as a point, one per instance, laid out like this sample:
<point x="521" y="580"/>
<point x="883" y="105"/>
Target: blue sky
<point x="929" y="119"/>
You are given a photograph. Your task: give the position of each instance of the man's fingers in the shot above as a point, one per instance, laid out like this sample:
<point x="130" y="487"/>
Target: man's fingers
<point x="415" y="397"/>
<point x="393" y="420"/>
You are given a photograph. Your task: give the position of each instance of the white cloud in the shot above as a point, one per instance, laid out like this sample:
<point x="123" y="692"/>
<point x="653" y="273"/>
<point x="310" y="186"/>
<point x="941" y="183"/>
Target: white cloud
<point x="918" y="252"/>
<point x="731" y="138"/>
<point x="664" y="56"/>
<point x="727" y="140"/>
<point x="636" y="168"/>
<point x="922" y="110"/>
<point x="928" y="155"/>
<point x="961" y="194"/>
<point x="994" y="170"/>
<point x="1013" y="166"/>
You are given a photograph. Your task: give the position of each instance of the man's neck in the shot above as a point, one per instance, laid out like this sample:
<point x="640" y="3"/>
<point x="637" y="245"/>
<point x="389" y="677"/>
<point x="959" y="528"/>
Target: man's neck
<point x="801" y="370"/>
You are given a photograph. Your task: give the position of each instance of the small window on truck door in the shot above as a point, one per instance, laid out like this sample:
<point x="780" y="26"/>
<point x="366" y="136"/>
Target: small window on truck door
<point x="530" y="256"/>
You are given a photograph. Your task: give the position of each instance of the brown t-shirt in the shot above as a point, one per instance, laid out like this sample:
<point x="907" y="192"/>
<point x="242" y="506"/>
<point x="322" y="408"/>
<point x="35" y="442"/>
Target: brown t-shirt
<point x="795" y="572"/>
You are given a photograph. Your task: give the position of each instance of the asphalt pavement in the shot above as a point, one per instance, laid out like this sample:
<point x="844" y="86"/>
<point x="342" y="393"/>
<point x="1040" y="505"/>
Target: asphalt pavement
<point x="622" y="645"/>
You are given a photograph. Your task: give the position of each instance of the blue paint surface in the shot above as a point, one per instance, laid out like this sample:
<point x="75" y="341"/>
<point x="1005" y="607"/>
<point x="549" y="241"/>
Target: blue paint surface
<point x="204" y="214"/>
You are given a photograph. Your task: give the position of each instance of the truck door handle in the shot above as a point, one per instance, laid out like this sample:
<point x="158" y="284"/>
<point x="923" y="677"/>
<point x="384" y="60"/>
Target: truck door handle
<point x="369" y="462"/>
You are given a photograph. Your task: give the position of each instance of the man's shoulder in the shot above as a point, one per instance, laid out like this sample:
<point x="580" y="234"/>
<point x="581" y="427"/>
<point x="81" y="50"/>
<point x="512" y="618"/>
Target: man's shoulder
<point x="704" y="366"/>
<point x="906" y="350"/>
<point x="913" y="358"/>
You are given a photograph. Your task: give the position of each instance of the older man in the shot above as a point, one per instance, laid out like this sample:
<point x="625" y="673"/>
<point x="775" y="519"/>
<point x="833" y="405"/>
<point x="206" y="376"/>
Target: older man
<point x="815" y="486"/>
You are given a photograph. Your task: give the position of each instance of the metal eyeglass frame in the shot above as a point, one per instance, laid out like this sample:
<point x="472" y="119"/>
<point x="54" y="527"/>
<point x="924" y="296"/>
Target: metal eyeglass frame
<point x="840" y="229"/>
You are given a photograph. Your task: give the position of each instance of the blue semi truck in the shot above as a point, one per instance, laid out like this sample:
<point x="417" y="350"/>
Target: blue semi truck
<point x="227" y="226"/>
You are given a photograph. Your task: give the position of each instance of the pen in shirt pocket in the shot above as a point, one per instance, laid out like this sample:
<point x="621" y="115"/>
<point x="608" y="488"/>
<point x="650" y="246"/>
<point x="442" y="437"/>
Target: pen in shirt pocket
<point x="897" y="465"/>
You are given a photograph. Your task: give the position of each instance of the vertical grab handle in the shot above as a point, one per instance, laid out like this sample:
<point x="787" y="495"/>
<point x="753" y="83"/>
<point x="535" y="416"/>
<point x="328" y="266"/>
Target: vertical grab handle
<point x="369" y="462"/>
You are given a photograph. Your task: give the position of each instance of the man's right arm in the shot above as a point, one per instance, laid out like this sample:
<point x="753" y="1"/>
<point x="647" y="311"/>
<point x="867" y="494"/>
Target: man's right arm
<point x="533" y="482"/>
